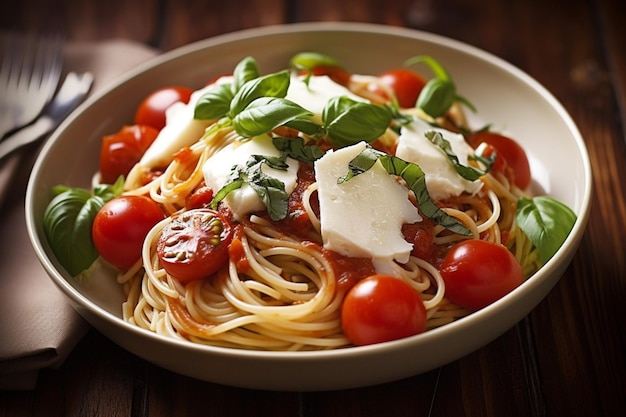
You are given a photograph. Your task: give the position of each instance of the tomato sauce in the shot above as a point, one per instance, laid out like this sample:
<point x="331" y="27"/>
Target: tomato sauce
<point x="349" y="270"/>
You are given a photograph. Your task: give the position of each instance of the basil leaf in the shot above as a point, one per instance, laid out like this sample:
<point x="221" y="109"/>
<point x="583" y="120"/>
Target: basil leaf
<point x="271" y="190"/>
<point x="296" y="149"/>
<point x="436" y="97"/>
<point x="347" y="121"/>
<point x="306" y="126"/>
<point x="311" y="60"/>
<point x="68" y="219"/>
<point x="415" y="178"/>
<point x="246" y="70"/>
<point x="214" y="103"/>
<point x="546" y="221"/>
<point x="271" y="85"/>
<point x="467" y="172"/>
<point x="265" y="114"/>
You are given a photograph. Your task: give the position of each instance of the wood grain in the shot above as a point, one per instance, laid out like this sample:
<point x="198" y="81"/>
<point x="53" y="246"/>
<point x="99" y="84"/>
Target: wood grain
<point x="565" y="359"/>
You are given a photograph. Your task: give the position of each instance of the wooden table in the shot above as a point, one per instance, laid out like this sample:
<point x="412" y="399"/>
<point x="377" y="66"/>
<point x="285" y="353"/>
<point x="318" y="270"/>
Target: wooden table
<point x="567" y="358"/>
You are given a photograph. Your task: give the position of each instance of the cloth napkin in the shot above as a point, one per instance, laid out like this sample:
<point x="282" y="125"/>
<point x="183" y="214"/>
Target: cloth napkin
<point x="38" y="327"/>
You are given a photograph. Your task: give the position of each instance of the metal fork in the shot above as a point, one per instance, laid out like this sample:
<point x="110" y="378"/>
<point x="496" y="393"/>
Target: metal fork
<point x="29" y="75"/>
<point x="72" y="92"/>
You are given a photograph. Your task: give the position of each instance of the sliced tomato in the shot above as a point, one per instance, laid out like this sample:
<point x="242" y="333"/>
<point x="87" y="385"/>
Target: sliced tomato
<point x="335" y="73"/>
<point x="194" y="244"/>
<point x="120" y="227"/>
<point x="152" y="109"/>
<point x="120" y="151"/>
<point x="405" y="83"/>
<point x="477" y="273"/>
<point x="381" y="308"/>
<point x="508" y="149"/>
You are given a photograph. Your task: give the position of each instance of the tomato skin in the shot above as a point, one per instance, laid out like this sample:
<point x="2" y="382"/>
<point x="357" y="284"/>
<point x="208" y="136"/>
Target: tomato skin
<point x="335" y="73"/>
<point x="477" y="273"/>
<point x="381" y="308"/>
<point x="120" y="227"/>
<point x="120" y="151"/>
<point x="195" y="244"/>
<point x="151" y="111"/>
<point x="512" y="153"/>
<point x="405" y="83"/>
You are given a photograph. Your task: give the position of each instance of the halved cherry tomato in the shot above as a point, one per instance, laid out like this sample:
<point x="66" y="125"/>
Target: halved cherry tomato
<point x="510" y="150"/>
<point x="120" y="227"/>
<point x="151" y="111"/>
<point x="121" y="151"/>
<point x="477" y="273"/>
<point x="405" y="83"/>
<point x="381" y="308"/>
<point x="195" y="244"/>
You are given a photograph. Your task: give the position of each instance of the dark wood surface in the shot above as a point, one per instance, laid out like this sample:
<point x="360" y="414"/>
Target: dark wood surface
<point x="567" y="358"/>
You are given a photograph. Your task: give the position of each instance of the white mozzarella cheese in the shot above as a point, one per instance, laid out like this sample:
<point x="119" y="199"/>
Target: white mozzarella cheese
<point x="442" y="180"/>
<point x="217" y="171"/>
<point x="180" y="130"/>
<point x="316" y="94"/>
<point x="363" y="217"/>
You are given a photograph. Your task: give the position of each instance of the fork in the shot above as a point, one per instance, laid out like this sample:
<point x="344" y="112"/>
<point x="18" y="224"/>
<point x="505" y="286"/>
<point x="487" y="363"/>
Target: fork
<point x="72" y="92"/>
<point x="29" y="75"/>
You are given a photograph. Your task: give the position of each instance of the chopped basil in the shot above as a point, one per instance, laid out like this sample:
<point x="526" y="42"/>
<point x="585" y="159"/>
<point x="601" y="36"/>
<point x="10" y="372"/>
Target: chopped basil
<point x="467" y="172"/>
<point x="415" y="179"/>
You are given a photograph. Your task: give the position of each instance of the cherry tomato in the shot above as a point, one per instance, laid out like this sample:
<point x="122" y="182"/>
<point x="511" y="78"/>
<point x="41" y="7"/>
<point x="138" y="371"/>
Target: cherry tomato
<point x="201" y="197"/>
<point x="512" y="153"/>
<point x="477" y="273"/>
<point x="121" y="226"/>
<point x="151" y="111"/>
<point x="121" y="151"/>
<point x="335" y="73"/>
<point x="195" y="244"/>
<point x="406" y="85"/>
<point x="381" y="308"/>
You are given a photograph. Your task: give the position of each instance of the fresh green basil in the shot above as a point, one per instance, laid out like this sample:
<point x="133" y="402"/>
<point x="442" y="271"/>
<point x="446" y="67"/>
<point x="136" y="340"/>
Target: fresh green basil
<point x="271" y="85"/>
<point x="311" y="60"/>
<point x="269" y="189"/>
<point x="347" y="121"/>
<point x="246" y="70"/>
<point x="264" y="114"/>
<point x="296" y="149"/>
<point x="467" y="172"/>
<point x="68" y="219"/>
<point x="546" y="221"/>
<point x="214" y="103"/>
<point x="439" y="93"/>
<point x="415" y="178"/>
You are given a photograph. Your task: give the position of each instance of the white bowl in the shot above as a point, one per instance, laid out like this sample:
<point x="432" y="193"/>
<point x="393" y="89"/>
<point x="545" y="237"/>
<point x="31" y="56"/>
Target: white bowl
<point x="504" y="95"/>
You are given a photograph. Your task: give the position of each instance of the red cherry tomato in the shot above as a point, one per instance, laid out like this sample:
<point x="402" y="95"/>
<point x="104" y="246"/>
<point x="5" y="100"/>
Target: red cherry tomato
<point x="477" y="273"/>
<point x="335" y="73"/>
<point x="406" y="85"/>
<point x="512" y="153"/>
<point x="151" y="111"/>
<point x="381" y="308"/>
<point x="195" y="244"/>
<point x="121" y="226"/>
<point x="121" y="151"/>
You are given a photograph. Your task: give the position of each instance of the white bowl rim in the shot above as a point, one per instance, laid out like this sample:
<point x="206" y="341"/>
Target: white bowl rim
<point x="284" y="29"/>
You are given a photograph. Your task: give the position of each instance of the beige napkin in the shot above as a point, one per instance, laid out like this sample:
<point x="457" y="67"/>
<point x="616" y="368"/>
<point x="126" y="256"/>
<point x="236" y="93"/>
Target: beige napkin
<point x="38" y="327"/>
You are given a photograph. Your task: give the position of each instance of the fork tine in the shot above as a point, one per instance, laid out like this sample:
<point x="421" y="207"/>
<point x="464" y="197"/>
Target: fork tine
<point x="29" y="75"/>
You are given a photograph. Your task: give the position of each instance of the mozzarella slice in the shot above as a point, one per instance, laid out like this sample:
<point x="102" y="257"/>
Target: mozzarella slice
<point x="314" y="95"/>
<point x="180" y="130"/>
<point x="442" y="180"/>
<point x="217" y="171"/>
<point x="363" y="217"/>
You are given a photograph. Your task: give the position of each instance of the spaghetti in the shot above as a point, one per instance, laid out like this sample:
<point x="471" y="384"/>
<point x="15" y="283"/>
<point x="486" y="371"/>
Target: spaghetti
<point x="285" y="290"/>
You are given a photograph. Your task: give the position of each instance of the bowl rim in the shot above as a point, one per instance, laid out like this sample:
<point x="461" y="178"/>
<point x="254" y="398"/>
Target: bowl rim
<point x="567" y="249"/>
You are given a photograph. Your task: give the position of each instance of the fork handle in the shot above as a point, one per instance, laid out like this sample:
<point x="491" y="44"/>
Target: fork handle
<point x="27" y="135"/>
